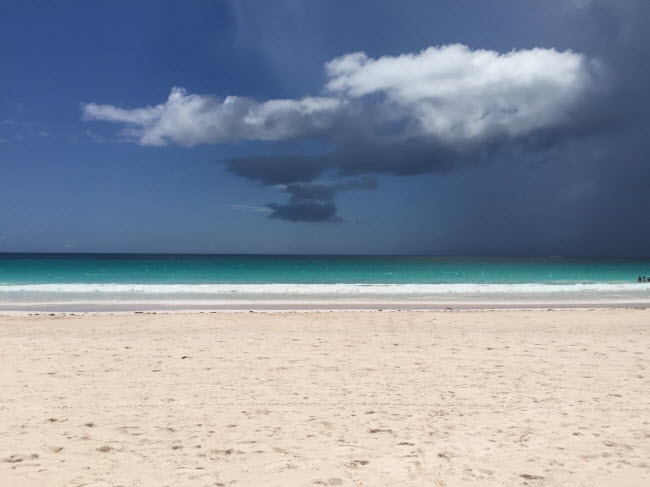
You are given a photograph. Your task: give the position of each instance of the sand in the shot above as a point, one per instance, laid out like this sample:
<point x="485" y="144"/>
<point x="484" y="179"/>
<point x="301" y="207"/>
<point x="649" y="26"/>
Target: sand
<point x="488" y="398"/>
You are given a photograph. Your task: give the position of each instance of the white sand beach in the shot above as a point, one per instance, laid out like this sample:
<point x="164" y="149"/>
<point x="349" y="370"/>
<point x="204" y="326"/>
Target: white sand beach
<point x="487" y="398"/>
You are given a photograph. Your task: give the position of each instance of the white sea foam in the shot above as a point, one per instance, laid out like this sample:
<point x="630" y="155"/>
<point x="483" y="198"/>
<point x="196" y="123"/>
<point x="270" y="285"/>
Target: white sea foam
<point x="324" y="289"/>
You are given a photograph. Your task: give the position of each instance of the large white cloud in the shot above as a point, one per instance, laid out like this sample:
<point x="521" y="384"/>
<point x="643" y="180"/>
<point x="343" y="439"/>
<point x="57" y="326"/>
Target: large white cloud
<point x="456" y="94"/>
<point x="450" y="94"/>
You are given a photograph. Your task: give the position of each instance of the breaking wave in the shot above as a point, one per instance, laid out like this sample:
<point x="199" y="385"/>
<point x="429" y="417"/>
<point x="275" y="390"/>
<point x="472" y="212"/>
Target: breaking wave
<point x="323" y="289"/>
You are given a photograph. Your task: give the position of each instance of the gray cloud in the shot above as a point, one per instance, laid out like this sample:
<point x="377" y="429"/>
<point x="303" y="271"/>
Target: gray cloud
<point x="304" y="211"/>
<point x="314" y="202"/>
<point x="277" y="169"/>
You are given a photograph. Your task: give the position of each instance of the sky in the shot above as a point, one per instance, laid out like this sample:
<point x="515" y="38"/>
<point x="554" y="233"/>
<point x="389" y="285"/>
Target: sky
<point x="514" y="128"/>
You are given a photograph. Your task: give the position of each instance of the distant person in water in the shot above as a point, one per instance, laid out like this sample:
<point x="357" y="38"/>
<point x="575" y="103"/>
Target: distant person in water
<point x="639" y="279"/>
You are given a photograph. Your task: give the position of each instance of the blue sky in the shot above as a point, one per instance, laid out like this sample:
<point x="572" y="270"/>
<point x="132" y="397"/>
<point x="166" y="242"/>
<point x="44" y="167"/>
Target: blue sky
<point x="498" y="128"/>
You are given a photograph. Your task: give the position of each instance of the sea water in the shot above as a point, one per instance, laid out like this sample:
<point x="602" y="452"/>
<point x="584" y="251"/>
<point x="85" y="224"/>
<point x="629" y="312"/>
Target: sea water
<point x="88" y="281"/>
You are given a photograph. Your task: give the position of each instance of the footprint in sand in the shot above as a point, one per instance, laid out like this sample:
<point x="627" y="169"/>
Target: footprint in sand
<point x="17" y="458"/>
<point x="330" y="481"/>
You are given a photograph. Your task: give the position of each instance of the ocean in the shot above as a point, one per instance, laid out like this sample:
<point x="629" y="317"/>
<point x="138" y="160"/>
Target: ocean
<point x="87" y="282"/>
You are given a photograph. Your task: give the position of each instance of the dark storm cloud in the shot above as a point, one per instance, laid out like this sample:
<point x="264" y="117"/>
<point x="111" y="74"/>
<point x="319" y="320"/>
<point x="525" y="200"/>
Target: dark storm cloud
<point x="314" y="202"/>
<point x="277" y="169"/>
<point x="299" y="172"/>
<point x="304" y="211"/>
<point x="402" y="158"/>
<point x="399" y="158"/>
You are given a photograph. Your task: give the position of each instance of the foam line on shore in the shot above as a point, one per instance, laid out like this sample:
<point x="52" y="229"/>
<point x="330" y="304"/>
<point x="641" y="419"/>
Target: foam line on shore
<point x="307" y="289"/>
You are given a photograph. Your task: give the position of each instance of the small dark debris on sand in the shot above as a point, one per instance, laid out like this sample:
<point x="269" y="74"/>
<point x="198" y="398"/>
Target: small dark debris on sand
<point x="529" y="476"/>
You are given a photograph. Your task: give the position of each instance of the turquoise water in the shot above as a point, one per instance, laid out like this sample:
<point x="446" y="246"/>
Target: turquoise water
<point x="206" y="280"/>
<point x="232" y="269"/>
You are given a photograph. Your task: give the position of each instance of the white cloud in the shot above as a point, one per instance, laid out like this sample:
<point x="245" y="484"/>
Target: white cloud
<point x="454" y="93"/>
<point x="189" y="119"/>
<point x="449" y="94"/>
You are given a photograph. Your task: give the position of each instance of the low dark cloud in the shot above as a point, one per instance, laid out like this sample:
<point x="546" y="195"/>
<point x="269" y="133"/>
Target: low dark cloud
<point x="397" y="158"/>
<point x="277" y="169"/>
<point x="314" y="202"/>
<point x="310" y="200"/>
<point x="298" y="210"/>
